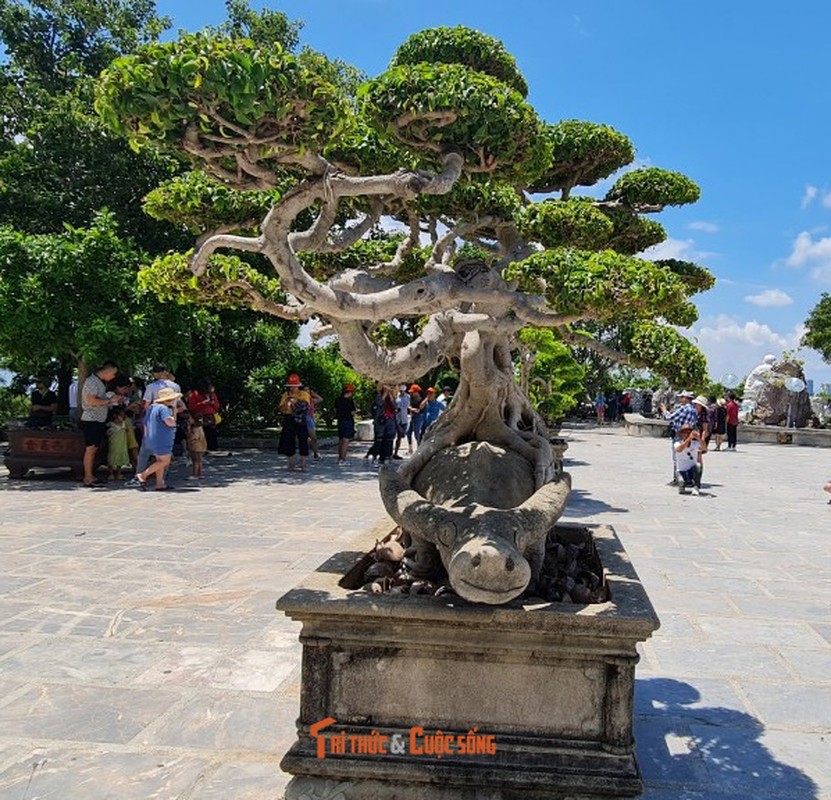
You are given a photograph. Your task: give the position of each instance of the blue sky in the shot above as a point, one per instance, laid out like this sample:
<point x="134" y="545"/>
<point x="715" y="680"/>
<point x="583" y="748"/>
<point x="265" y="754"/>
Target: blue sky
<point x="736" y="95"/>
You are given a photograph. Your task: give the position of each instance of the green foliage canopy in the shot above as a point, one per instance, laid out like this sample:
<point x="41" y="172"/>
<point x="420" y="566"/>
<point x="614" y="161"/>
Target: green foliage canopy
<point x="818" y="327"/>
<point x="259" y="118"/>
<point x="461" y="45"/>
<point x="75" y="293"/>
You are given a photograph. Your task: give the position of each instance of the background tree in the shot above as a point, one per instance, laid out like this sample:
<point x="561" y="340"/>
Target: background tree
<point x="59" y="166"/>
<point x="75" y="294"/>
<point x="818" y="328"/>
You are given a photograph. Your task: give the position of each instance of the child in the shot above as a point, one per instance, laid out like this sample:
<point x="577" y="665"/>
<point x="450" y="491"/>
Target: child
<point x="118" y="456"/>
<point x="687" y="451"/>
<point x="345" y="413"/>
<point x="197" y="444"/>
<point x="132" y="441"/>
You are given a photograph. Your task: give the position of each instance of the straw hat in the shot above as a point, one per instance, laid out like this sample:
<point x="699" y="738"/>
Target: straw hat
<point x="167" y="394"/>
<point x="701" y="400"/>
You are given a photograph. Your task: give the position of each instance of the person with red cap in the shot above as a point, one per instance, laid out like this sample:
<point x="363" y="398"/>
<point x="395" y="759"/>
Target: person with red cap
<point x="416" y="427"/>
<point x="431" y="408"/>
<point x="345" y="415"/>
<point x="294" y="406"/>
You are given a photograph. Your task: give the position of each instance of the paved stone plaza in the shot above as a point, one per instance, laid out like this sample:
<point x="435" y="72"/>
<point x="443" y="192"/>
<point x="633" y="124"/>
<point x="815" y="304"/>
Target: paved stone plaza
<point x="141" y="657"/>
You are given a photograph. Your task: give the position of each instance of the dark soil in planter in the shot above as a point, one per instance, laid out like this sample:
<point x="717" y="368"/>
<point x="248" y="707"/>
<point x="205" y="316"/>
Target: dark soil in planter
<point x="571" y="573"/>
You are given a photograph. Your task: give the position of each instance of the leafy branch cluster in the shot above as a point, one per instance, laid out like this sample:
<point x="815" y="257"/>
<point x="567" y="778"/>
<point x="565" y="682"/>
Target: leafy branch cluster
<point x="443" y="141"/>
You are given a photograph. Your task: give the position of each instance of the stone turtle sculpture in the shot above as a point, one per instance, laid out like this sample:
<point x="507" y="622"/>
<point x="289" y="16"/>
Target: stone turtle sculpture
<point x="477" y="505"/>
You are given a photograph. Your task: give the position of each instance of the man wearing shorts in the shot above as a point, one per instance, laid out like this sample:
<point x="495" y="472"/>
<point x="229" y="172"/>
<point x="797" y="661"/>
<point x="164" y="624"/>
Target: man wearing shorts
<point x="95" y="405"/>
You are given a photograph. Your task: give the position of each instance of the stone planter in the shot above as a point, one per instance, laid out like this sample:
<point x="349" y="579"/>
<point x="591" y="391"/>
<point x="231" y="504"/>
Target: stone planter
<point x="552" y="683"/>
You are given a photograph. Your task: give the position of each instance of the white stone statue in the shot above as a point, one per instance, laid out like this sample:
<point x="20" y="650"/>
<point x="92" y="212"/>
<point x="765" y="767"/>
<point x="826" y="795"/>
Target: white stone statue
<point x="757" y="379"/>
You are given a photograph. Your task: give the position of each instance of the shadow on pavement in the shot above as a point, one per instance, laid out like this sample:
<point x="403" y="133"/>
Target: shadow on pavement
<point x="580" y="504"/>
<point x="686" y="746"/>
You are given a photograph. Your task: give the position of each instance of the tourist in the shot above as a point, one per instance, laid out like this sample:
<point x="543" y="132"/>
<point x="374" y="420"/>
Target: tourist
<point x="402" y="420"/>
<point x="703" y="426"/>
<point x="44" y="403"/>
<point x="684" y="414"/>
<point x="612" y="407"/>
<point x="445" y="397"/>
<point x="95" y="405"/>
<point x="345" y="415"/>
<point x="827" y="488"/>
<point x="732" y="421"/>
<point x="135" y="413"/>
<point x="129" y="395"/>
<point x="197" y="444"/>
<point x="203" y="402"/>
<point x="383" y="425"/>
<point x="315" y="400"/>
<point x="431" y="408"/>
<point x="599" y="404"/>
<point x="159" y="434"/>
<point x="294" y="438"/>
<point x="687" y="452"/>
<point x="701" y="406"/>
<point x="118" y="452"/>
<point x="416" y="427"/>
<point x="72" y="399"/>
<point x="161" y="380"/>
<point x="720" y="427"/>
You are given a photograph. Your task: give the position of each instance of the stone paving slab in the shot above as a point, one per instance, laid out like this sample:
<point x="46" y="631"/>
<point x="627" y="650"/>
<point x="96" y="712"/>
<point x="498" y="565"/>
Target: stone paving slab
<point x="141" y="656"/>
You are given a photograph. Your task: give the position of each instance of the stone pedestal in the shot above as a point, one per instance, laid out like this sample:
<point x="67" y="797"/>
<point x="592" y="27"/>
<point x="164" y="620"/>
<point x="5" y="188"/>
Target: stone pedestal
<point x="551" y="683"/>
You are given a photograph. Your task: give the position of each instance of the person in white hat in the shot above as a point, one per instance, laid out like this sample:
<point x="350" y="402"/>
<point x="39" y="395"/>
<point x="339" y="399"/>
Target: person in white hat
<point x="684" y="414"/>
<point x="700" y="404"/>
<point x="687" y="453"/>
<point x="159" y="433"/>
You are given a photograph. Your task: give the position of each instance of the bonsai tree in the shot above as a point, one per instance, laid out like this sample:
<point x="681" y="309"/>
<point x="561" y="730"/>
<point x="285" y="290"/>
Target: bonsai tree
<point x="302" y="176"/>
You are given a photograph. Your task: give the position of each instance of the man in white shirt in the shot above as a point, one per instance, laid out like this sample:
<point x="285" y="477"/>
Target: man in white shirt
<point x="402" y="418"/>
<point x="161" y="379"/>
<point x="95" y="403"/>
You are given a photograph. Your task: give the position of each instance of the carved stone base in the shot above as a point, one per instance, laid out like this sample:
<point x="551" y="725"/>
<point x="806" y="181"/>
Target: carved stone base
<point x="552" y="683"/>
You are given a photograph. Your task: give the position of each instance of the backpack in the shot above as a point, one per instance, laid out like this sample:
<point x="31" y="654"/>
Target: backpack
<point x="300" y="412"/>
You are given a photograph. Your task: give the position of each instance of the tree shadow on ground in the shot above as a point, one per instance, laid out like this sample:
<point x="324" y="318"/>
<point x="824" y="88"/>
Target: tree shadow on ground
<point x="581" y="504"/>
<point x="684" y="746"/>
<point x="262" y="467"/>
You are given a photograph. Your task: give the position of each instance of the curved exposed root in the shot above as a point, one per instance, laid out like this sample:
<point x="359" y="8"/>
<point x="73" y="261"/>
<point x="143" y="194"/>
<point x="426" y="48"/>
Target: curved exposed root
<point x="488" y="407"/>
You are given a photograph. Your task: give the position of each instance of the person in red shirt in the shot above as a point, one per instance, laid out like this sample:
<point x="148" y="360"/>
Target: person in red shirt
<point x="732" y="409"/>
<point x="203" y="403"/>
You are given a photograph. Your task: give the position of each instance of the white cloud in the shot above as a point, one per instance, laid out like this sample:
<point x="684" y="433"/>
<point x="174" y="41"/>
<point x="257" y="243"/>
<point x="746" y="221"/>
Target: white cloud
<point x="601" y="188"/>
<point x="770" y="298"/>
<point x="817" y="253"/>
<point x="704" y="226"/>
<point x="826" y="200"/>
<point x="809" y="195"/>
<point x="681" y="249"/>
<point x="737" y="347"/>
